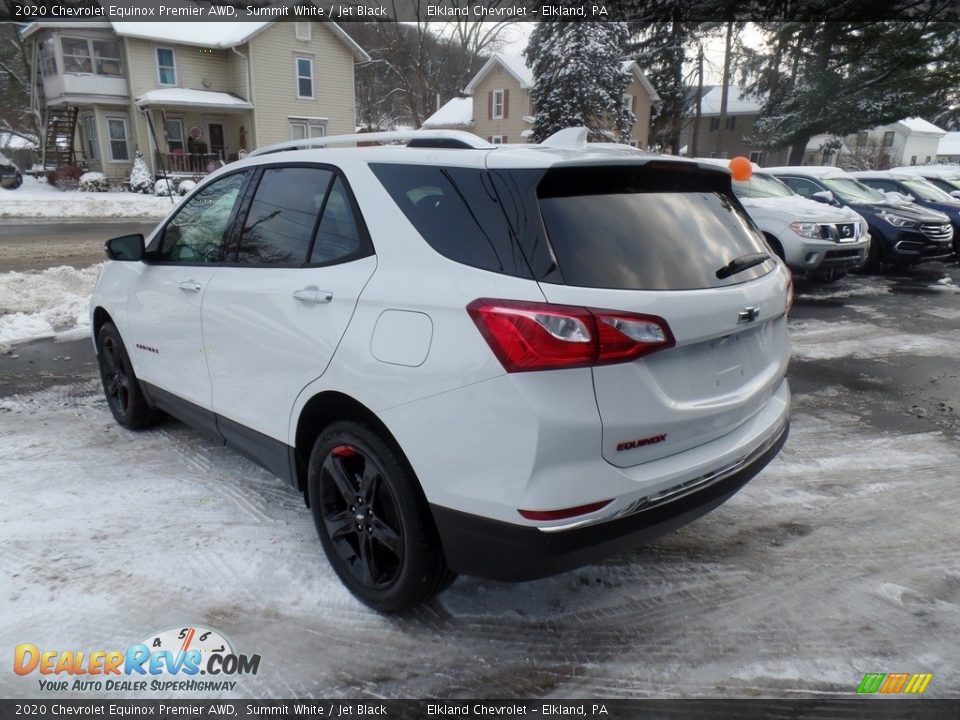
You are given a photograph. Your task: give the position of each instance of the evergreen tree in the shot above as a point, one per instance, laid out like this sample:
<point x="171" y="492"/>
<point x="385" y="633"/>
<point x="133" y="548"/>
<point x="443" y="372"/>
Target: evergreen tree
<point x="842" y="77"/>
<point x="579" y="78"/>
<point x="141" y="180"/>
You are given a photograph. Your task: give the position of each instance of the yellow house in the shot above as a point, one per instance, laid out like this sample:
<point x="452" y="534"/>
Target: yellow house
<point x="498" y="104"/>
<point x="189" y="96"/>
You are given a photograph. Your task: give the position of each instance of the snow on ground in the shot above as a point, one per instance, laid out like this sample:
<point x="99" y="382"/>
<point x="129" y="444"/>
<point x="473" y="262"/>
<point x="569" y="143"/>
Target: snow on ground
<point x="821" y="569"/>
<point x="51" y="303"/>
<point x="36" y="198"/>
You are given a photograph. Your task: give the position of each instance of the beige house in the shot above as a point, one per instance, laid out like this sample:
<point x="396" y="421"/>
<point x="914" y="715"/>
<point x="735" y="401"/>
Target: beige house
<point x="498" y="104"/>
<point x="189" y="96"/>
<point x="738" y="128"/>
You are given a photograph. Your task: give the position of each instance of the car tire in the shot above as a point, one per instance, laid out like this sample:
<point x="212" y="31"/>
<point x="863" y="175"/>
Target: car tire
<point x="18" y="182"/>
<point x="373" y="520"/>
<point x="120" y="385"/>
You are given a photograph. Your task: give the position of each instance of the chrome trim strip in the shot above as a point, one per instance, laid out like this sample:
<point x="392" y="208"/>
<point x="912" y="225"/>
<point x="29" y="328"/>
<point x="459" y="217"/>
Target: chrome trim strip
<point x="672" y="494"/>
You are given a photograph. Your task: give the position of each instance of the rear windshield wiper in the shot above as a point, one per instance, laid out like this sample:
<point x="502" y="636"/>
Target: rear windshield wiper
<point x="739" y="264"/>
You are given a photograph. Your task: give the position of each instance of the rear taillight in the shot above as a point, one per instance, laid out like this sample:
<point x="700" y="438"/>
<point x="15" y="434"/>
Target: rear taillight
<point x="540" y="336"/>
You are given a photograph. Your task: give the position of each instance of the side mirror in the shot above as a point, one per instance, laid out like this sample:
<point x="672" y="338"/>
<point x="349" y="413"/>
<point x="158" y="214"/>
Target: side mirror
<point x="825" y="196"/>
<point x="127" y="248"/>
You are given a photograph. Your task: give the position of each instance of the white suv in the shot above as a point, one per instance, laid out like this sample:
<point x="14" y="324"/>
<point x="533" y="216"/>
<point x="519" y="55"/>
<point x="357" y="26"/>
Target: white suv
<point x="501" y="361"/>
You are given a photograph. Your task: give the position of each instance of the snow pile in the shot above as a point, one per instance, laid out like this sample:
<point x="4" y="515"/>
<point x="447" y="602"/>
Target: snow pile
<point x="163" y="188"/>
<point x="186" y="186"/>
<point x="38" y="199"/>
<point x="52" y="303"/>
<point x="93" y="182"/>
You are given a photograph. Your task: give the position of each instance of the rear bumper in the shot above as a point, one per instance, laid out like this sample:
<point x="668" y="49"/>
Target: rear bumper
<point x="504" y="551"/>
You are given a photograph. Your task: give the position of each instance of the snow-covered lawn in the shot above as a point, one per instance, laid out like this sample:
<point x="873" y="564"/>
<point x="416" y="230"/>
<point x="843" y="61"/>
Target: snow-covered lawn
<point x="36" y="198"/>
<point x="52" y="303"/>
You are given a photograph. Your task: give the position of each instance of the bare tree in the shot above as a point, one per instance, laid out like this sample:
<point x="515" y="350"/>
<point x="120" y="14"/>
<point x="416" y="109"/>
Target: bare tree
<point x="15" y="115"/>
<point x="417" y="65"/>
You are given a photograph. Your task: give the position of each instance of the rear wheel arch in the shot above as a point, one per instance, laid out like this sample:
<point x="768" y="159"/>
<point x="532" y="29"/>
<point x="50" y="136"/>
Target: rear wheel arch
<point x="319" y="413"/>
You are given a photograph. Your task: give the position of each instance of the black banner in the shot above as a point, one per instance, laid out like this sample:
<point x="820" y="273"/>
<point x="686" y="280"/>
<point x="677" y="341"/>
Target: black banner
<point x="476" y="10"/>
<point x="874" y="709"/>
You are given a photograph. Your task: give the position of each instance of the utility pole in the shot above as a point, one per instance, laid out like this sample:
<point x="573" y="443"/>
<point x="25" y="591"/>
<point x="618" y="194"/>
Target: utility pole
<point x="723" y="92"/>
<point x="695" y="138"/>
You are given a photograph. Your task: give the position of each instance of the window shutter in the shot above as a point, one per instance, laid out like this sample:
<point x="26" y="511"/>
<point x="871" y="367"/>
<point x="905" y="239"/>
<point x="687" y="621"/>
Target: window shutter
<point x="490" y="105"/>
<point x="506" y="104"/>
<point x="633" y="104"/>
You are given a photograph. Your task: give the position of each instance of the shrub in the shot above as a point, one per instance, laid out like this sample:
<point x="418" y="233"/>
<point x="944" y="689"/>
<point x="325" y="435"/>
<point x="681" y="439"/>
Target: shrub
<point x="141" y="180"/>
<point x="163" y="188"/>
<point x="93" y="182"/>
<point x="65" y="177"/>
<point x="186" y="186"/>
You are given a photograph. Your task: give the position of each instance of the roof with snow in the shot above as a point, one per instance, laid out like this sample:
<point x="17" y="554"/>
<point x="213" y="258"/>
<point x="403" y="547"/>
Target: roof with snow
<point x="456" y="113"/>
<point x="949" y="144"/>
<point x="919" y="125"/>
<point x="513" y="64"/>
<point x="737" y="102"/>
<point x="202" y="34"/>
<point x="193" y="98"/>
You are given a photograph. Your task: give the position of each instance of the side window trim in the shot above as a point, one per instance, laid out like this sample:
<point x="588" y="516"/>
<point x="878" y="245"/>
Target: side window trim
<point x="157" y="241"/>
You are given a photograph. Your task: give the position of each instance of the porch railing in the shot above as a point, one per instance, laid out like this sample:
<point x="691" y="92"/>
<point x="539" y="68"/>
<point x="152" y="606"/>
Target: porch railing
<point x="181" y="163"/>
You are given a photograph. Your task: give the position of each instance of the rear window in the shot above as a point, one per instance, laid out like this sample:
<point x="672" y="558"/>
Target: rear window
<point x="650" y="227"/>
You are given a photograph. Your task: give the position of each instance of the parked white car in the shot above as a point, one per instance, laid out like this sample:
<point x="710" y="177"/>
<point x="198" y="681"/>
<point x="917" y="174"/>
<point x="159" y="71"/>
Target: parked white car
<point x="491" y="360"/>
<point x="820" y="241"/>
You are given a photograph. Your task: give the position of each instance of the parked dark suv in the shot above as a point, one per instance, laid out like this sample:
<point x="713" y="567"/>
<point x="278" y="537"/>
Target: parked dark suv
<point x="901" y="234"/>
<point x="924" y="193"/>
<point x="10" y="177"/>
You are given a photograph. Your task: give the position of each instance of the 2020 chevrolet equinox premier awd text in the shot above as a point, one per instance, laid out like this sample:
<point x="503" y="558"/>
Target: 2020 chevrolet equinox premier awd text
<point x="502" y="361"/>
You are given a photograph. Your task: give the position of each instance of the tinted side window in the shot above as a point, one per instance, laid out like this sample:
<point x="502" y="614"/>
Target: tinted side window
<point x="197" y="232"/>
<point x="283" y="215"/>
<point x="338" y="235"/>
<point x="457" y="212"/>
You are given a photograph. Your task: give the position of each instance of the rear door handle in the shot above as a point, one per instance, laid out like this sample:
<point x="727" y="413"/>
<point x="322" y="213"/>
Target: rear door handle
<point x="190" y="285"/>
<point x="313" y="295"/>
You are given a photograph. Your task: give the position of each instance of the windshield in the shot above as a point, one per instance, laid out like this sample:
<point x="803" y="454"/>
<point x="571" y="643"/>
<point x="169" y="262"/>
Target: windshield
<point x="853" y="191"/>
<point x="761" y="186"/>
<point x="925" y="190"/>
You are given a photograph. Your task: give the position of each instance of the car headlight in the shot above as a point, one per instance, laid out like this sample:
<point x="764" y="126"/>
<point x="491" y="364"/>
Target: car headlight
<point x="897" y="220"/>
<point x="806" y="229"/>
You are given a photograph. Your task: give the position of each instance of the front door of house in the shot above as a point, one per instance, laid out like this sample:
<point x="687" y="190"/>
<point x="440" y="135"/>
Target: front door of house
<point x="217" y="146"/>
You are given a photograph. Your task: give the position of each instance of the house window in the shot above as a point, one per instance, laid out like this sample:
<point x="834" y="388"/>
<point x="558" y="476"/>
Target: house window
<point x="304" y="128"/>
<point x="301" y="30"/>
<point x="913" y="159"/>
<point x="76" y="55"/>
<point x="714" y="124"/>
<point x="89" y="128"/>
<point x="173" y="128"/>
<point x="117" y="135"/>
<point x="756" y="156"/>
<point x="862" y="139"/>
<point x="628" y="102"/>
<point x="927" y="161"/>
<point x="497" y="104"/>
<point x="497" y="139"/>
<point x="47" y="58"/>
<point x="888" y="138"/>
<point x="106" y="58"/>
<point x="166" y="66"/>
<point x="731" y="122"/>
<point x="304" y="78"/>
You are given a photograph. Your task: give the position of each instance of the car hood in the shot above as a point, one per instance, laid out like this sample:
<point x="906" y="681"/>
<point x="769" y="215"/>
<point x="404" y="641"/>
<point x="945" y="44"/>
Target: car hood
<point x="800" y="209"/>
<point x="911" y="212"/>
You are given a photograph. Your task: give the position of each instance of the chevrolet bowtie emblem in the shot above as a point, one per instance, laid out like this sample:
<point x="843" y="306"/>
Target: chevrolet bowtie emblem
<point x="748" y="315"/>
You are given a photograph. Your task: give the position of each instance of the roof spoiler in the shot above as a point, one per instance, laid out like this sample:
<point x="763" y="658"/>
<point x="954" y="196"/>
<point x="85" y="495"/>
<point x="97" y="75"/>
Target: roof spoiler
<point x="416" y="138"/>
